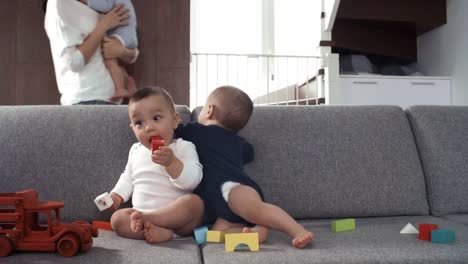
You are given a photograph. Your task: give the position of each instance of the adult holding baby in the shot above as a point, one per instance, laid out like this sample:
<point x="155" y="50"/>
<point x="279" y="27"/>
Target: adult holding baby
<point x="76" y="33"/>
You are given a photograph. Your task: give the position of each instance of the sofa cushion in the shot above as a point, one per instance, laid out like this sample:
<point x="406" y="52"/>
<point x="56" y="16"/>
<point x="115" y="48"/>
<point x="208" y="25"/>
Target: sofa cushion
<point x="336" y="161"/>
<point x="66" y="153"/>
<point x="459" y="218"/>
<point x="109" y="248"/>
<point x="375" y="240"/>
<point x="441" y="134"/>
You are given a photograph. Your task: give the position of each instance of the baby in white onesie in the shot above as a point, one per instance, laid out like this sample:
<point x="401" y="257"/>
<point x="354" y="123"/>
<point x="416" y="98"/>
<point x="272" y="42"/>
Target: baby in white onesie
<point x="159" y="183"/>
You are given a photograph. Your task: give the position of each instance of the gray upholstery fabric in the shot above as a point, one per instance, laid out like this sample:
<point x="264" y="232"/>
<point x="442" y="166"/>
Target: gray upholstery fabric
<point x="459" y="218"/>
<point x="375" y="240"/>
<point x="109" y="248"/>
<point x="67" y="153"/>
<point x="441" y="134"/>
<point x="336" y="161"/>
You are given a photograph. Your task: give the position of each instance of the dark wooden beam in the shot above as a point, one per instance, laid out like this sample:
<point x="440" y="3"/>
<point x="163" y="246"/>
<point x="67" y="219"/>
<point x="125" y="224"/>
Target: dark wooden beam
<point x="423" y="15"/>
<point x="375" y="39"/>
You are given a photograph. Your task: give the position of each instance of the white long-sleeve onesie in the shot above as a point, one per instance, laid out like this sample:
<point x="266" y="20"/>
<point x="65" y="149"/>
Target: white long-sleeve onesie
<point x="148" y="183"/>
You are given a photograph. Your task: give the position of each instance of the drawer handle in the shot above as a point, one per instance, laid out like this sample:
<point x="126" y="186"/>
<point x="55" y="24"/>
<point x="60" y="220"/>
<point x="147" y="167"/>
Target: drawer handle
<point x="423" y="83"/>
<point x="361" y="82"/>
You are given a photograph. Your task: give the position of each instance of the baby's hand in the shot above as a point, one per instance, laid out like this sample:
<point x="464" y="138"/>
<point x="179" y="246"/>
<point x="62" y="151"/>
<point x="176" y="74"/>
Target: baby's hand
<point x="117" y="201"/>
<point x="163" y="156"/>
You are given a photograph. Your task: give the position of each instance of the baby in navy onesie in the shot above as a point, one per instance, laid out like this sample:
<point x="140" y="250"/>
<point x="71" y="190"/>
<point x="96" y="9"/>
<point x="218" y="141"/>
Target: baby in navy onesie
<point x="233" y="200"/>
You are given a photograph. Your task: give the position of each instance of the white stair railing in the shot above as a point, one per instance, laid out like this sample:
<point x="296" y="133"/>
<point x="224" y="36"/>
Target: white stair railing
<point x="268" y="79"/>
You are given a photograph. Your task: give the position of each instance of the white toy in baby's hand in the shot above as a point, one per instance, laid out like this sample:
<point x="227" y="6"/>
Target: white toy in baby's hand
<point x="103" y="201"/>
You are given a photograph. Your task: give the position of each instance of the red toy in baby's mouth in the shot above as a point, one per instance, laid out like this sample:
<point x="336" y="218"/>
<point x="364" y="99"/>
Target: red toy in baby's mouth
<point x="156" y="142"/>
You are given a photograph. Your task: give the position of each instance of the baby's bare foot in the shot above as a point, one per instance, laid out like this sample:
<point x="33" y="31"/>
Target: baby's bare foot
<point x="136" y="224"/>
<point x="261" y="230"/>
<point x="302" y="239"/>
<point x="155" y="234"/>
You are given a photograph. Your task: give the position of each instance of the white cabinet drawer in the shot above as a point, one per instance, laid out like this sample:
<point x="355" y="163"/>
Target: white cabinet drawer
<point x="395" y="91"/>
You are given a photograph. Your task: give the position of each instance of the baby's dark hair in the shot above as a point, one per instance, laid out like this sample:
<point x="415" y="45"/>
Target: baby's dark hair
<point x="234" y="105"/>
<point x="150" y="91"/>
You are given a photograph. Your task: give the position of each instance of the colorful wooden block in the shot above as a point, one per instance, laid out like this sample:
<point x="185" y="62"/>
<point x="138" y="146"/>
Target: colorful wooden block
<point x="409" y="229"/>
<point x="215" y="236"/>
<point x="156" y="142"/>
<point x="235" y="239"/>
<point x="343" y="225"/>
<point x="442" y="236"/>
<point x="102" y="225"/>
<point x="103" y="201"/>
<point x="200" y="234"/>
<point x="425" y="231"/>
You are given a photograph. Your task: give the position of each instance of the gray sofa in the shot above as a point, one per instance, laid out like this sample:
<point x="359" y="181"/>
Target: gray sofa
<point x="379" y="164"/>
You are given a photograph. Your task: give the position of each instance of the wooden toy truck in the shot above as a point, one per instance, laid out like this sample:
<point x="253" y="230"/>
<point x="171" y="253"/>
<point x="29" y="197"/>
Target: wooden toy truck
<point x="27" y="224"/>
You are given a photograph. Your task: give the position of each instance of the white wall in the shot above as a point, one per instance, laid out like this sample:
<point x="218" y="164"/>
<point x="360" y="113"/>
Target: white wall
<point x="330" y="7"/>
<point x="444" y="51"/>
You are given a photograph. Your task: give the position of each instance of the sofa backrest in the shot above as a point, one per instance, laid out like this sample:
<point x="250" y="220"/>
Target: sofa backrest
<point x="314" y="162"/>
<point x="441" y="134"/>
<point x="67" y="153"/>
<point x="337" y="161"/>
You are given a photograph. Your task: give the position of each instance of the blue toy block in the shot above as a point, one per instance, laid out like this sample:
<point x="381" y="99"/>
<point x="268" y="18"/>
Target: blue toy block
<point x="442" y="236"/>
<point x="200" y="234"/>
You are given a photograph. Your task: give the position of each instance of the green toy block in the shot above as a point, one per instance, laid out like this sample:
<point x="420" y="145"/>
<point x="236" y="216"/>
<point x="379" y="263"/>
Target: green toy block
<point x="442" y="236"/>
<point x="343" y="225"/>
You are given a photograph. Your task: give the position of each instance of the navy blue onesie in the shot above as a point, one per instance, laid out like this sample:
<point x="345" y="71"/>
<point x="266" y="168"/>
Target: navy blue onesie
<point x="222" y="154"/>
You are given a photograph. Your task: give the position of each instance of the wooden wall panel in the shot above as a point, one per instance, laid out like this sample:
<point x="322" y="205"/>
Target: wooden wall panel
<point x="35" y="78"/>
<point x="170" y="79"/>
<point x="7" y="51"/>
<point x="32" y="45"/>
<point x="173" y="54"/>
<point x="144" y="70"/>
<point x="36" y="85"/>
<point x="173" y="15"/>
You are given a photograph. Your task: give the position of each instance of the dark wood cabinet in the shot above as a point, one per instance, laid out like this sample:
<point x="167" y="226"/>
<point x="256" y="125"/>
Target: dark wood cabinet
<point x="385" y="27"/>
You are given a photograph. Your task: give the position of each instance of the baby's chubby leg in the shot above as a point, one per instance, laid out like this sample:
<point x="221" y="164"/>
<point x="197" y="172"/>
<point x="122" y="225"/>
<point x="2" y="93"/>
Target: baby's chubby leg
<point x="120" y="222"/>
<point x="118" y="75"/>
<point x="247" y="203"/>
<point x="182" y="216"/>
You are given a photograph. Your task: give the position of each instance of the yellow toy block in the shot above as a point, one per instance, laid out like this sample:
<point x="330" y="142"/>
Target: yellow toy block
<point x="249" y="239"/>
<point x="215" y="236"/>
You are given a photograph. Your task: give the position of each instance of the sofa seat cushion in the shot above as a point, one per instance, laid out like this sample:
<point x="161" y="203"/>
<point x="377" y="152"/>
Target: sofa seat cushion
<point x="442" y="140"/>
<point x="375" y="240"/>
<point x="459" y="218"/>
<point x="111" y="249"/>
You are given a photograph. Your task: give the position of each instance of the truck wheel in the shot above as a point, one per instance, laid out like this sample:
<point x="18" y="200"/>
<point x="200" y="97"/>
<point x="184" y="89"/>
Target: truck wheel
<point x="68" y="245"/>
<point x="6" y="246"/>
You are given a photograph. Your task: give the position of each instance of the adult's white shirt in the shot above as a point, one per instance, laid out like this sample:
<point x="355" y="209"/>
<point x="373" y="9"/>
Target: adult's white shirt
<point x="68" y="23"/>
<point x="149" y="184"/>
